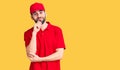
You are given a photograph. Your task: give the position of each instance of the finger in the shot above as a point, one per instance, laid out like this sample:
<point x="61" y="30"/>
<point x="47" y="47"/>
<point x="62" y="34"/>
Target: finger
<point x="31" y="59"/>
<point x="37" y="27"/>
<point x="34" y="55"/>
<point x="39" y="22"/>
<point x="31" y="55"/>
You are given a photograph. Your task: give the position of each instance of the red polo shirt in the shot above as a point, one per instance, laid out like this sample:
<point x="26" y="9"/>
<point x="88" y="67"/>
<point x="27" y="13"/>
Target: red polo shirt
<point x="47" y="42"/>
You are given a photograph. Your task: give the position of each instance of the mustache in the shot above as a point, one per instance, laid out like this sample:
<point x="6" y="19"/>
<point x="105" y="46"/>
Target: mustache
<point x="39" y="18"/>
<point x="40" y="21"/>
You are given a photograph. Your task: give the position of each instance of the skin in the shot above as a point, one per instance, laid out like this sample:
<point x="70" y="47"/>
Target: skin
<point x="40" y="23"/>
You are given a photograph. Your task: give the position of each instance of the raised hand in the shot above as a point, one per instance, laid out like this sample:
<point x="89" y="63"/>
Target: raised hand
<point x="37" y="27"/>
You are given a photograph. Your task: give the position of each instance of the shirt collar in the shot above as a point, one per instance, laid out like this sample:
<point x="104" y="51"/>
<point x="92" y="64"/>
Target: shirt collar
<point x="49" y="25"/>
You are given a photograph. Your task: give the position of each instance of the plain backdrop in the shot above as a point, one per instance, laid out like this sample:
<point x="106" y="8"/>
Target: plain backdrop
<point x="91" y="30"/>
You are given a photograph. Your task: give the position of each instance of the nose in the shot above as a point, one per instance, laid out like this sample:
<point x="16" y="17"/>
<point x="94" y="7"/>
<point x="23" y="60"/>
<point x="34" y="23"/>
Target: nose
<point x="38" y="15"/>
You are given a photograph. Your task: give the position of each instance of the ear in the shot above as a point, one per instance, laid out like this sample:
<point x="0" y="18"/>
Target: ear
<point x="45" y="14"/>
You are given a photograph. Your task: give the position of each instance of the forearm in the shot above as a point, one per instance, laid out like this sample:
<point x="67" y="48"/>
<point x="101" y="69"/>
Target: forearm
<point x="31" y="48"/>
<point x="53" y="57"/>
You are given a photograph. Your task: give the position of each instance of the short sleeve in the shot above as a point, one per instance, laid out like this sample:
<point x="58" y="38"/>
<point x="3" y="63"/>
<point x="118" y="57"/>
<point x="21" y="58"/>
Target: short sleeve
<point x="27" y="39"/>
<point x="60" y="39"/>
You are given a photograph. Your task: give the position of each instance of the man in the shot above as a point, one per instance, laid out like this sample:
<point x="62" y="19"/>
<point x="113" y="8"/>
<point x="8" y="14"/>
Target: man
<point x="44" y="42"/>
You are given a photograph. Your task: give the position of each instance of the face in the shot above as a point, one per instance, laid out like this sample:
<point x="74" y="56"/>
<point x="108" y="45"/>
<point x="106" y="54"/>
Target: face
<point x="39" y="16"/>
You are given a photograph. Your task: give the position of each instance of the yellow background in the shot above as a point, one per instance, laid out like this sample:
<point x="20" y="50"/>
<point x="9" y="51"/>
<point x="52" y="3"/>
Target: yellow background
<point x="91" y="30"/>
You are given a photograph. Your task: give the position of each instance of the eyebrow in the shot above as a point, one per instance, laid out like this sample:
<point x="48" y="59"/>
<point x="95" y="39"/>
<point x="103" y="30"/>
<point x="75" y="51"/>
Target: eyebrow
<point x="38" y="10"/>
<point x="41" y="10"/>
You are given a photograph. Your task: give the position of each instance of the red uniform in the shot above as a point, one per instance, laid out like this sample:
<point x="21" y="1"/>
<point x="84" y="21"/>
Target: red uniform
<point x="47" y="42"/>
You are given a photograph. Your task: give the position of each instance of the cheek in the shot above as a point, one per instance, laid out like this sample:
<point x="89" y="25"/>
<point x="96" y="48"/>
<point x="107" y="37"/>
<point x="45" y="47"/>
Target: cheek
<point x="43" y="15"/>
<point x="34" y="17"/>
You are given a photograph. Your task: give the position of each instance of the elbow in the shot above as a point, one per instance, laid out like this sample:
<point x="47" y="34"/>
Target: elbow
<point x="60" y="57"/>
<point x="60" y="52"/>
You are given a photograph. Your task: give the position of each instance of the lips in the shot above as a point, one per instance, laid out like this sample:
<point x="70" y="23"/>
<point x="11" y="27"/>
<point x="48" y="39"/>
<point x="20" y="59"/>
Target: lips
<point x="39" y="19"/>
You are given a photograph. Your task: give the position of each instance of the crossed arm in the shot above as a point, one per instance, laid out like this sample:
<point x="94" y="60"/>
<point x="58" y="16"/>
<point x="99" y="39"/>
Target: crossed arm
<point x="31" y="50"/>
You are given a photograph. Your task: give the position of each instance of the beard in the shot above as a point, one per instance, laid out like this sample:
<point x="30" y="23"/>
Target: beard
<point x="38" y="19"/>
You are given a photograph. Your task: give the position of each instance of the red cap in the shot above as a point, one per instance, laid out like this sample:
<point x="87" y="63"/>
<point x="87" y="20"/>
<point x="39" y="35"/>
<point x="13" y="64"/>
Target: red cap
<point x="36" y="6"/>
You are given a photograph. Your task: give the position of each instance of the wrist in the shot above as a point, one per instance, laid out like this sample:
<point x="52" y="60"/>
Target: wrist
<point x="42" y="59"/>
<point x="34" y="33"/>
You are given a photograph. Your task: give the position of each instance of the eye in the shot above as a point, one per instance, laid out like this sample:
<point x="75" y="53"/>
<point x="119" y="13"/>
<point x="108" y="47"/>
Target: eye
<point x="34" y="14"/>
<point x="40" y="12"/>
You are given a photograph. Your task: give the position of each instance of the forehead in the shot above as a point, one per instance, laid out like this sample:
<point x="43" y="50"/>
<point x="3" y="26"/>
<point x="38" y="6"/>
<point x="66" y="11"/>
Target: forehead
<point x="37" y="11"/>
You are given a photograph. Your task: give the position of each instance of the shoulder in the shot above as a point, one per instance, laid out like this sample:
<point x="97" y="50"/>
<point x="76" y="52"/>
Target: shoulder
<point x="53" y="27"/>
<point x="29" y="31"/>
<point x="56" y="28"/>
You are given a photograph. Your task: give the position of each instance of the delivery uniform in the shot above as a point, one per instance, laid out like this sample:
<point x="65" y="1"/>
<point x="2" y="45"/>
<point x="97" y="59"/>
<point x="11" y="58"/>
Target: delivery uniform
<point x="47" y="42"/>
